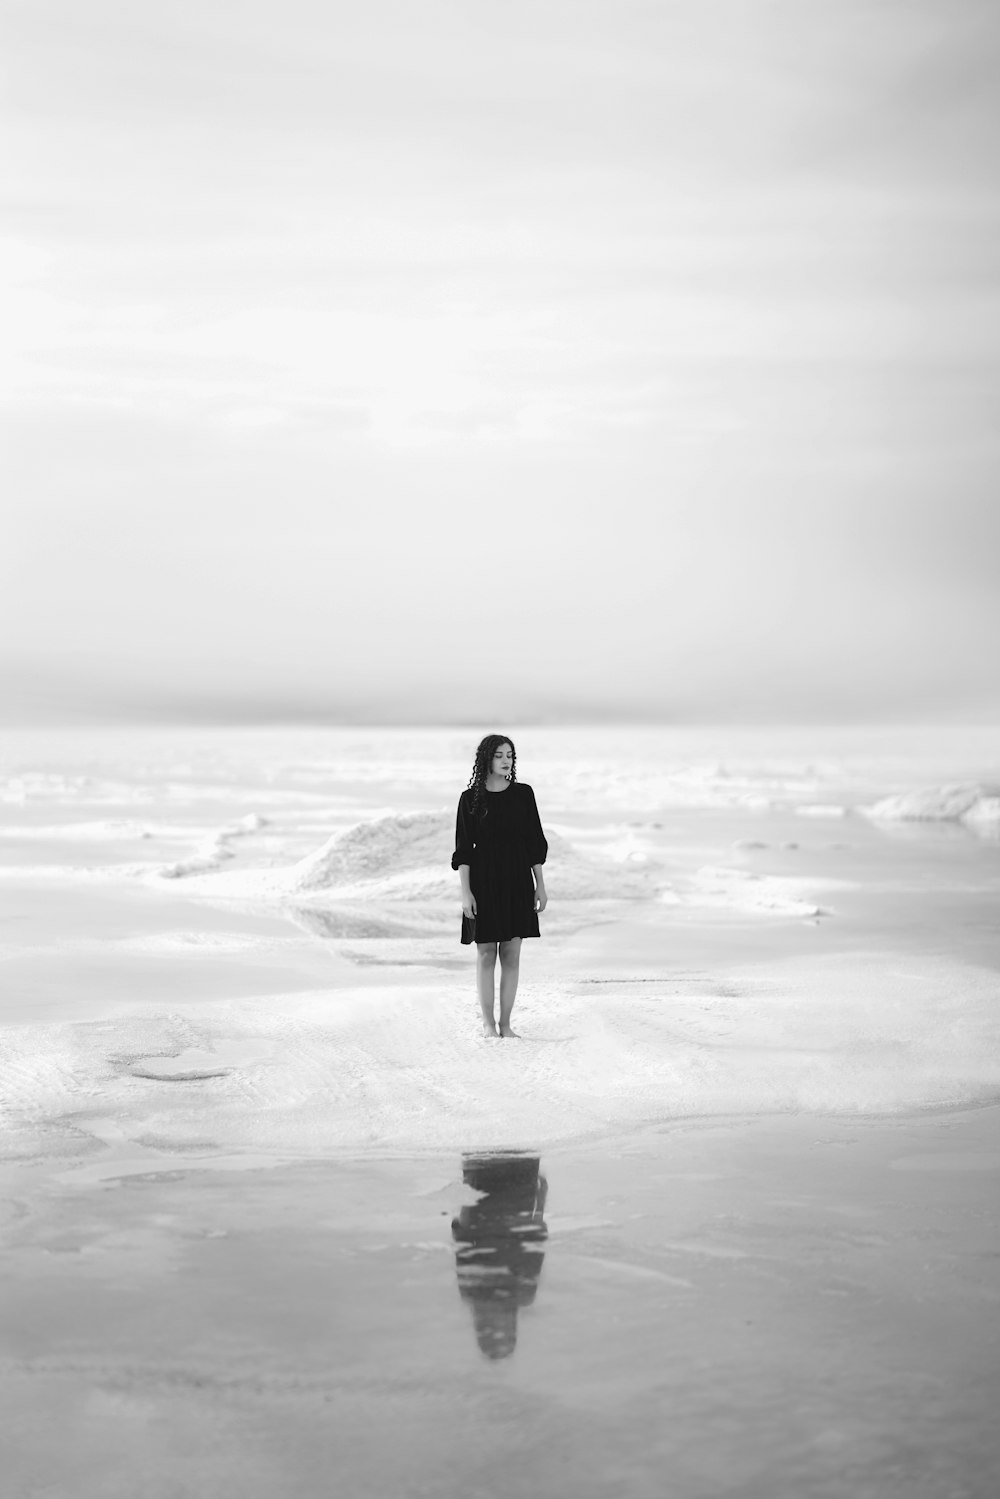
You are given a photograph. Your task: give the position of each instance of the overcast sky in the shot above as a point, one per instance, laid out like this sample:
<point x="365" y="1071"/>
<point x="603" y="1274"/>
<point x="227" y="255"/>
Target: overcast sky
<point x="463" y="360"/>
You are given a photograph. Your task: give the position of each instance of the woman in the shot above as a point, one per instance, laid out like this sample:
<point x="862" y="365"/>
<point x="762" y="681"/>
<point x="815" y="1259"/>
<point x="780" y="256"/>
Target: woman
<point x="499" y="852"/>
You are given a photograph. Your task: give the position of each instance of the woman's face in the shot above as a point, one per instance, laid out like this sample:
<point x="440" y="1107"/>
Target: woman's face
<point x="503" y="759"/>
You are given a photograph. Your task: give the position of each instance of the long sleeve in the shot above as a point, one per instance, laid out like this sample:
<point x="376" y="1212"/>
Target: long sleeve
<point x="464" y="838"/>
<point x="538" y="847"/>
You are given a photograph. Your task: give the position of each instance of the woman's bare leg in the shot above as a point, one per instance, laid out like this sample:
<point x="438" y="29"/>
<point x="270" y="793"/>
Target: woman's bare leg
<point x="510" y="960"/>
<point x="486" y="962"/>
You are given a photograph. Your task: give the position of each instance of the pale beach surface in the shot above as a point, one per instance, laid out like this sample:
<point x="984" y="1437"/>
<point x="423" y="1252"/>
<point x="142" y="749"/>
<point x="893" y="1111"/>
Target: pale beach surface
<point x="759" y="1064"/>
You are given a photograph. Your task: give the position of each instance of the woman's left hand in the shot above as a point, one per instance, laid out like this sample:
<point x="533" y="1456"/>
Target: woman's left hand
<point x="541" y="899"/>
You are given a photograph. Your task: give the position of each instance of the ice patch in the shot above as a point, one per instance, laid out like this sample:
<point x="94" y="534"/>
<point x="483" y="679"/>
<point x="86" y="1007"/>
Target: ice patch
<point x="212" y="850"/>
<point x="58" y="874"/>
<point x="197" y="1062"/>
<point x="109" y="830"/>
<point x="629" y="849"/>
<point x="974" y="805"/>
<point x="68" y="790"/>
<point x="740" y="890"/>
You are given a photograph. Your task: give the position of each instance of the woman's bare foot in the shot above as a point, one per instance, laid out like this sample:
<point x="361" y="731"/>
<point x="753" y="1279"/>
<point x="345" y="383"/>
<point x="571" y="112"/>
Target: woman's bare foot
<point x="490" y="1032"/>
<point x="508" y="1034"/>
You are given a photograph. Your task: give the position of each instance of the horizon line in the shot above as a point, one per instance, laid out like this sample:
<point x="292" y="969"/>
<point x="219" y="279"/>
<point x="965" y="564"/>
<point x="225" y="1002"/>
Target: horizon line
<point x="965" y="719"/>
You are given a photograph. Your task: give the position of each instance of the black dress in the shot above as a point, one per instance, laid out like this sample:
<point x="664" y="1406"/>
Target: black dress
<point x="500" y="847"/>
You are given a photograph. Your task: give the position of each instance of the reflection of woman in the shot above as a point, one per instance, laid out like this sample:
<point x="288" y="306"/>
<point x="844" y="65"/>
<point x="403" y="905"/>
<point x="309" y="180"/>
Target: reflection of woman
<point x="500" y="1255"/>
<point x="499" y="852"/>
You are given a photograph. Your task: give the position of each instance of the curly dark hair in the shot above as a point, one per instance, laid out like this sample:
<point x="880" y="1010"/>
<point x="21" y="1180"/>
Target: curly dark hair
<point x="481" y="768"/>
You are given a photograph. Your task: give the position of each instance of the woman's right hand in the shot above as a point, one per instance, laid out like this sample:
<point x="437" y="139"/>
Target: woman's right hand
<point x="469" y="906"/>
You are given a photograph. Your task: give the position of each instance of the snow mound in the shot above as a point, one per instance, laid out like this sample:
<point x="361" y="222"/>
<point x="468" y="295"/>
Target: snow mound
<point x="984" y="814"/>
<point x="977" y="806"/>
<point x="392" y="845"/>
<point x="213" y="850"/>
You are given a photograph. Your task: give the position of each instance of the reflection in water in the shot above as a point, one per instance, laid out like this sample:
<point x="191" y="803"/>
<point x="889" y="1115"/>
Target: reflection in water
<point x="499" y="1258"/>
<point x="344" y="922"/>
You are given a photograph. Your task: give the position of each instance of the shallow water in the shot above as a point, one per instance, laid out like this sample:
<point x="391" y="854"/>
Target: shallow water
<point x="774" y="1309"/>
